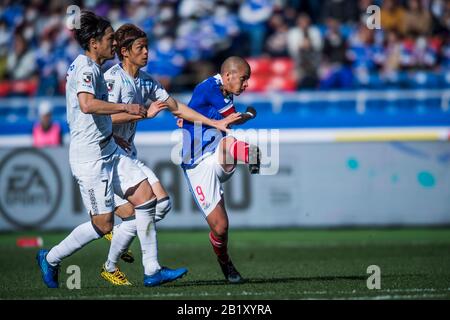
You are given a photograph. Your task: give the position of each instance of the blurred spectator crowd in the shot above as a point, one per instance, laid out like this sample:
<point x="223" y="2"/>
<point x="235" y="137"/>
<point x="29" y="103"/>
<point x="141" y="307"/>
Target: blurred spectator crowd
<point x="317" y="44"/>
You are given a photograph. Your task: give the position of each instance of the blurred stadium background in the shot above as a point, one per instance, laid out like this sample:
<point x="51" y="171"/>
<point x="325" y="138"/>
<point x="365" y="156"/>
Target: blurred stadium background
<point x="364" y="120"/>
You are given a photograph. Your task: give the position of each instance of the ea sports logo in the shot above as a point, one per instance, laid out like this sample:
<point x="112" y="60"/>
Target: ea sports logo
<point x="30" y="188"/>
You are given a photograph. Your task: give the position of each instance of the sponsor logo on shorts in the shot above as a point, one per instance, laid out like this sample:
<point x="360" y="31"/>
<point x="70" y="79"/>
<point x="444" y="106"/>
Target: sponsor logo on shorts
<point x="206" y="205"/>
<point x="109" y="202"/>
<point x="94" y="206"/>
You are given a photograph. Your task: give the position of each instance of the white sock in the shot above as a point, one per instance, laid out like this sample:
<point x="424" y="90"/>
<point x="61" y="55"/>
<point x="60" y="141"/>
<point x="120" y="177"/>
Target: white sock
<point x="146" y="231"/>
<point x="78" y="238"/>
<point x="123" y="235"/>
<point x="163" y="207"/>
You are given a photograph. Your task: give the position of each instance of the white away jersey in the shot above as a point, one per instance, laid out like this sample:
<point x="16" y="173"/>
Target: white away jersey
<point x="90" y="134"/>
<point x="122" y="88"/>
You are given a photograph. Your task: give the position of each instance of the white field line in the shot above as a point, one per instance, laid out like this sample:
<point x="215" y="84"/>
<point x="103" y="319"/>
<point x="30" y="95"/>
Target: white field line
<point x="299" y="243"/>
<point x="167" y="295"/>
<point x="396" y="294"/>
<point x="395" y="297"/>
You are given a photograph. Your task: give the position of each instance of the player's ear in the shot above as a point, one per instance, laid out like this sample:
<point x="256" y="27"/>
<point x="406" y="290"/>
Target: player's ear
<point x="228" y="75"/>
<point x="124" y="52"/>
<point x="92" y="44"/>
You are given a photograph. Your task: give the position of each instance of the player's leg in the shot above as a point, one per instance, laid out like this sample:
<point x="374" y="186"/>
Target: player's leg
<point x="205" y="185"/>
<point x="124" y="234"/>
<point x="98" y="199"/>
<point x="135" y="187"/>
<point x="126" y="212"/>
<point x="233" y="151"/>
<point x="163" y="203"/>
<point x="218" y="223"/>
<point x="126" y="231"/>
<point x="226" y="160"/>
<point x="224" y="168"/>
<point x="49" y="261"/>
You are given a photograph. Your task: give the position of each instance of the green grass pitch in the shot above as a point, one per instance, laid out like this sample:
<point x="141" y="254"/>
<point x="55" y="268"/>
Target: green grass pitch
<point x="279" y="264"/>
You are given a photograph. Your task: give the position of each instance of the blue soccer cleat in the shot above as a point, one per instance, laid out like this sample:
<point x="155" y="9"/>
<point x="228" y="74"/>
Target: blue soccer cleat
<point x="49" y="272"/>
<point x="164" y="275"/>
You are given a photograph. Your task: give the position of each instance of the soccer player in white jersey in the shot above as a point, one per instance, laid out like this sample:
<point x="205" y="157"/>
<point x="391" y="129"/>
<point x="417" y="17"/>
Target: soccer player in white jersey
<point x="100" y="167"/>
<point x="128" y="84"/>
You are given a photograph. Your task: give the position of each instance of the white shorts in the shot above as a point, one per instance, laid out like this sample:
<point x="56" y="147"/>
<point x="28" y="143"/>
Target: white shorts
<point x="152" y="179"/>
<point x="100" y="180"/>
<point x="205" y="181"/>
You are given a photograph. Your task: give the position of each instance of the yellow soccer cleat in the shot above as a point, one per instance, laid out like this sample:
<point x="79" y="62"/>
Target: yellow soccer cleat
<point x="117" y="277"/>
<point x="126" y="256"/>
<point x="108" y="236"/>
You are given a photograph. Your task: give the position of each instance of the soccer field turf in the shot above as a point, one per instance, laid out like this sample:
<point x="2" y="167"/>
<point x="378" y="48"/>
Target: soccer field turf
<point x="279" y="264"/>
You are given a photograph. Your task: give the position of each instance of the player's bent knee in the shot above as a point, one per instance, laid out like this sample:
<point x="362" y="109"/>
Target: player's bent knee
<point x="125" y="211"/>
<point x="163" y="206"/>
<point x="103" y="223"/>
<point x="140" y="193"/>
<point x="227" y="142"/>
<point x="102" y="228"/>
<point x="220" y="231"/>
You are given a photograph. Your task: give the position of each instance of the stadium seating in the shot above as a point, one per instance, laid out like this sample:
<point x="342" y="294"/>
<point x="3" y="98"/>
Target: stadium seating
<point x="18" y="88"/>
<point x="274" y="74"/>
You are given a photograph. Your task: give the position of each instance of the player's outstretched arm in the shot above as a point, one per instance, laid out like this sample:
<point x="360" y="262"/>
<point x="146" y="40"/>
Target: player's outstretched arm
<point x="123" y="117"/>
<point x="89" y="104"/>
<point x="249" y="114"/>
<point x="181" y="110"/>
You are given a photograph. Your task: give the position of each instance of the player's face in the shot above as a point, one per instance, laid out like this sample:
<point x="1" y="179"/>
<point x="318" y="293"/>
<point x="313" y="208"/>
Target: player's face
<point x="138" y="54"/>
<point x="106" y="47"/>
<point x="238" y="80"/>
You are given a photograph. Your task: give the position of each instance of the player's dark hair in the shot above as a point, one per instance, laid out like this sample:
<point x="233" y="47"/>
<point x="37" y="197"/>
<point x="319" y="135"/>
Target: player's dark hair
<point x="91" y="27"/>
<point x="125" y="36"/>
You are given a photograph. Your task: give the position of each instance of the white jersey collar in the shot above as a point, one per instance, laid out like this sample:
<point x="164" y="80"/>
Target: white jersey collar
<point x="218" y="77"/>
<point x="89" y="59"/>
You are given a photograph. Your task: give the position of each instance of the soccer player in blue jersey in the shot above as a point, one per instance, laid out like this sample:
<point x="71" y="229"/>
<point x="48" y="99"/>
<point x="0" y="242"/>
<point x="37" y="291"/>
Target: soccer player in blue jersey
<point x="210" y="156"/>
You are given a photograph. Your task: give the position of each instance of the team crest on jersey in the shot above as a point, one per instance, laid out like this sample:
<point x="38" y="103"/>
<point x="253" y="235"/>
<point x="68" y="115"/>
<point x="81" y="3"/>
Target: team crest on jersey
<point x="87" y="77"/>
<point x="110" y="85"/>
<point x="146" y="83"/>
